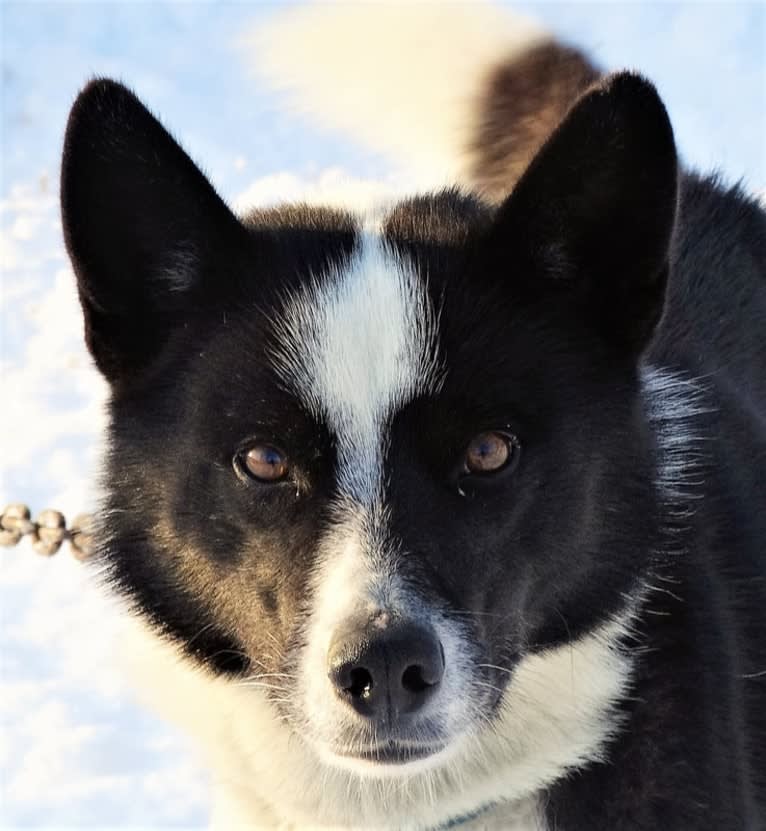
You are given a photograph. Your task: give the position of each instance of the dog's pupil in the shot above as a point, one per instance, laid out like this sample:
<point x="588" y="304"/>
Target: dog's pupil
<point x="266" y="462"/>
<point x="487" y="452"/>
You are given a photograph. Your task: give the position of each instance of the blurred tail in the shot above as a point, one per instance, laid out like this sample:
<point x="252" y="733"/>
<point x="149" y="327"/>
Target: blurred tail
<point x="457" y="92"/>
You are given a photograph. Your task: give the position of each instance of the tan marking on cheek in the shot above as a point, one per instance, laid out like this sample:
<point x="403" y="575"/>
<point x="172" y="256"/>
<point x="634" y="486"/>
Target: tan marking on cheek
<point x="210" y="584"/>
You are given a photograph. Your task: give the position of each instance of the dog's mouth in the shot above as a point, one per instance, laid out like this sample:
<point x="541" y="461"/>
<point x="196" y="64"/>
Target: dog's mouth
<point x="391" y="753"/>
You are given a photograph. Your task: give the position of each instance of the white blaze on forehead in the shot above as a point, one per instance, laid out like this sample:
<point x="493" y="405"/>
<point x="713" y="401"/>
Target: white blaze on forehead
<point x="355" y="347"/>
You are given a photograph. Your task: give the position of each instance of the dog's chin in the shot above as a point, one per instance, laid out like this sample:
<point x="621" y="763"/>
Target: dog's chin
<point x="392" y="759"/>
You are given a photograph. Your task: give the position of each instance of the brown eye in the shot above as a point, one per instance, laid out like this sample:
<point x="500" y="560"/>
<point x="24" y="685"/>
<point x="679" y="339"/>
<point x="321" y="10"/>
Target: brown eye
<point x="264" y="463"/>
<point x="489" y="452"/>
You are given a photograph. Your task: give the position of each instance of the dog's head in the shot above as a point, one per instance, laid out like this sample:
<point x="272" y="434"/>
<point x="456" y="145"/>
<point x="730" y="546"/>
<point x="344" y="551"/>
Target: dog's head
<point x="381" y="470"/>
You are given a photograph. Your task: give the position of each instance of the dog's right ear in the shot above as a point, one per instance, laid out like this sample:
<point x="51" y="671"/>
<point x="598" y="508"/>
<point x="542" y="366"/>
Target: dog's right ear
<point x="143" y="226"/>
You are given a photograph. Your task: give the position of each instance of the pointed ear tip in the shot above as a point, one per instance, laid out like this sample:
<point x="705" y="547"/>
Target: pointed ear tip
<point x="628" y="81"/>
<point x="99" y="89"/>
<point x="637" y="104"/>
<point x="633" y="88"/>
<point x="99" y="95"/>
<point x="103" y="107"/>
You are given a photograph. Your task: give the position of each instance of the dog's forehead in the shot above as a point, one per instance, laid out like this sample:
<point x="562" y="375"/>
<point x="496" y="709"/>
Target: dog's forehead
<point x="356" y="344"/>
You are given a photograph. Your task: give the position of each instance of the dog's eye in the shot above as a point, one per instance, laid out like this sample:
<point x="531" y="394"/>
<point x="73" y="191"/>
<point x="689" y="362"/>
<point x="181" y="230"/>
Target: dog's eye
<point x="264" y="462"/>
<point x="490" y="452"/>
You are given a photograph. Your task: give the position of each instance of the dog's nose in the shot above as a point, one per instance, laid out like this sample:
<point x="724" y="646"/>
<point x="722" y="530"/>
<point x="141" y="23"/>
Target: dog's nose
<point x="386" y="672"/>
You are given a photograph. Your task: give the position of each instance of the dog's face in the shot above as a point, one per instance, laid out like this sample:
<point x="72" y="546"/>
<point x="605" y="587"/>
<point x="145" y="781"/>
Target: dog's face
<point x="370" y="468"/>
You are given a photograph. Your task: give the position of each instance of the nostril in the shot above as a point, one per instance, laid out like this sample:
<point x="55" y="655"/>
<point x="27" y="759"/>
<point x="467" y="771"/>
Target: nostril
<point x="413" y="679"/>
<point x="361" y="683"/>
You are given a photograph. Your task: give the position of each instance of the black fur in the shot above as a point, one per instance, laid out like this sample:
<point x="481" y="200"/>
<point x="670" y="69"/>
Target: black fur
<point x="597" y="265"/>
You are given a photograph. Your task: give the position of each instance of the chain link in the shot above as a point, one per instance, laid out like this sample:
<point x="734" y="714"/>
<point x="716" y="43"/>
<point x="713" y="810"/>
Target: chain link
<point x="48" y="532"/>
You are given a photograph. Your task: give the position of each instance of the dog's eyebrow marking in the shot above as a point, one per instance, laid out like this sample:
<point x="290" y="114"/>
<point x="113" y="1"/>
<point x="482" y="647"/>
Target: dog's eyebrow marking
<point x="355" y="346"/>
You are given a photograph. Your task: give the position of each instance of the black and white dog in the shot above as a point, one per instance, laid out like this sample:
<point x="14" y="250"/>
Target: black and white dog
<point x="452" y="514"/>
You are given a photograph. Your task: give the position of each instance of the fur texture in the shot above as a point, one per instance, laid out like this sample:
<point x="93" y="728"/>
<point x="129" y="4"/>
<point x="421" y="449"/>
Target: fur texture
<point x="597" y="598"/>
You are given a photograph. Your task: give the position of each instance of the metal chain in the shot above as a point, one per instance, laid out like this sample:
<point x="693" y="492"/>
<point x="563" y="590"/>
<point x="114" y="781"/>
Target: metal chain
<point x="47" y="532"/>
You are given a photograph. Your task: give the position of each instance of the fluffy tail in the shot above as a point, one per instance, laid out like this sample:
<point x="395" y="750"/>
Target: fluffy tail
<point x="457" y="92"/>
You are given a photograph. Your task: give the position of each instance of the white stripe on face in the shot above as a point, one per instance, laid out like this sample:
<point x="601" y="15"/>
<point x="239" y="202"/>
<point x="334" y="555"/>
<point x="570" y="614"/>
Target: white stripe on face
<point x="355" y="348"/>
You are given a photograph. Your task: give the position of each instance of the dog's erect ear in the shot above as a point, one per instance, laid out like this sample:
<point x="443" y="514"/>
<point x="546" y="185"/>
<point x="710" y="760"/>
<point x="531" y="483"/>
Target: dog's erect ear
<point x="143" y="226"/>
<point x="593" y="215"/>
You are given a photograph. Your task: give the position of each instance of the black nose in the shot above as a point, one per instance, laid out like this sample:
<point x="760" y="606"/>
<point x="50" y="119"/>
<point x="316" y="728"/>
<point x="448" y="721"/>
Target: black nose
<point x="385" y="672"/>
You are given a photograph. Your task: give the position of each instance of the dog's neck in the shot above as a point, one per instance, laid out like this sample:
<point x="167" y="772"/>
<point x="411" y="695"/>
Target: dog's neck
<point x="241" y="811"/>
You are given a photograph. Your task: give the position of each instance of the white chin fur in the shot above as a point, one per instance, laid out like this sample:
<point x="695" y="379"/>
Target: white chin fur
<point x="557" y="714"/>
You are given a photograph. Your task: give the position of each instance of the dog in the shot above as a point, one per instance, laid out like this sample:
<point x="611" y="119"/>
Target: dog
<point x="449" y="514"/>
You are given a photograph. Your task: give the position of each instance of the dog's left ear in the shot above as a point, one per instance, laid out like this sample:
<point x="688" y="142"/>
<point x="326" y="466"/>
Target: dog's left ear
<point x="593" y="215"/>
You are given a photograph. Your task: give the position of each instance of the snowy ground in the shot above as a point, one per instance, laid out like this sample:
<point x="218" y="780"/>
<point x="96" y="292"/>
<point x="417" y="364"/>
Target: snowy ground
<point x="75" y="749"/>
